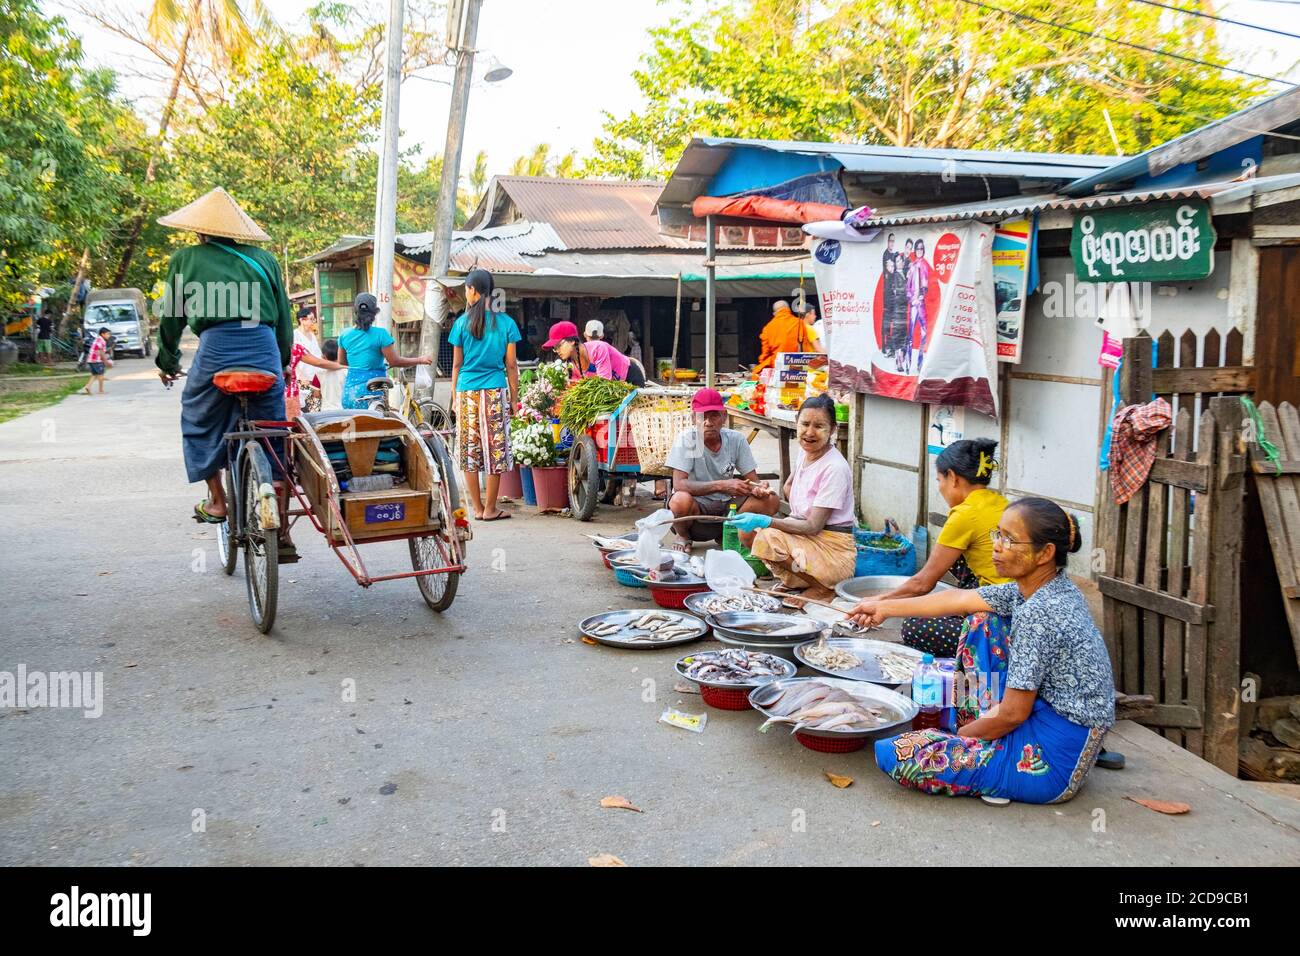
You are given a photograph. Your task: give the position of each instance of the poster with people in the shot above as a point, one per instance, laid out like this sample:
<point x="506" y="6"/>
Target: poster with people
<point x="910" y="314"/>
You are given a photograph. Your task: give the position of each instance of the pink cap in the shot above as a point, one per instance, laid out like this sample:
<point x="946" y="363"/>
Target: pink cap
<point x="707" y="400"/>
<point x="560" y="330"/>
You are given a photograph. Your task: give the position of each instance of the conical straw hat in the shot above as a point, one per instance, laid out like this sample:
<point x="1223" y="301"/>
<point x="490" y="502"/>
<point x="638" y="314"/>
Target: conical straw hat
<point x="216" y="214"/>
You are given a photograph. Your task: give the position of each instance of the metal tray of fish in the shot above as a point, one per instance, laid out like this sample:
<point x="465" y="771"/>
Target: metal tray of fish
<point x="874" y="585"/>
<point x="764" y="628"/>
<point x="897" y="709"/>
<point x="869" y="652"/>
<point x="784" y="667"/>
<point x="642" y="638"/>
<point x="696" y="603"/>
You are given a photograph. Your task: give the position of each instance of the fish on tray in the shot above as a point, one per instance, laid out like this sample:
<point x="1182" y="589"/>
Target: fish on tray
<point x="652" y="627"/>
<point x="813" y="705"/>
<point x="733" y="666"/>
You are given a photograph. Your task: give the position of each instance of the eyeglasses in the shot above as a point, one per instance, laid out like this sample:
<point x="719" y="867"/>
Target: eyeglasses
<point x="1001" y="540"/>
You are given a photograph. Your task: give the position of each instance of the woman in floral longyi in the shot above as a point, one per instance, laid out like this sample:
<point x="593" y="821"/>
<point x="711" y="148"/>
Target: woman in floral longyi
<point x="1038" y="695"/>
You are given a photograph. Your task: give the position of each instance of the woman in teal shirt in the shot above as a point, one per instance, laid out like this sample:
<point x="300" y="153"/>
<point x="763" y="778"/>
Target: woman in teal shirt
<point x="485" y="379"/>
<point x="365" y="349"/>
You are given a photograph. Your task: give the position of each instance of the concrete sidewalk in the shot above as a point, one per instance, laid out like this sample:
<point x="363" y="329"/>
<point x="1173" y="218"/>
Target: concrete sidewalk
<point x="499" y="729"/>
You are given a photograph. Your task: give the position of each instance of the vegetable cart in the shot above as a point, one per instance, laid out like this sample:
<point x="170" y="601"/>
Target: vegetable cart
<point x="628" y="444"/>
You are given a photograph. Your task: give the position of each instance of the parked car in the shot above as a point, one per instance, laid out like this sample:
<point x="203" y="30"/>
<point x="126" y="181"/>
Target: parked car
<point x="126" y="315"/>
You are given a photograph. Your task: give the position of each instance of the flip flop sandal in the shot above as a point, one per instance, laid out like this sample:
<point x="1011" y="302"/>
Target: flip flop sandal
<point x="287" y="554"/>
<point x="1110" y="760"/>
<point x="202" y="516"/>
<point x="501" y="517"/>
<point x="996" y="801"/>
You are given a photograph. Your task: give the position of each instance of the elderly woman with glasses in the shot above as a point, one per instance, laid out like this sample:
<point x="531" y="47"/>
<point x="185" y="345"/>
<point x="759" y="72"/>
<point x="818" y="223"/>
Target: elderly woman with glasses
<point x="1035" y="692"/>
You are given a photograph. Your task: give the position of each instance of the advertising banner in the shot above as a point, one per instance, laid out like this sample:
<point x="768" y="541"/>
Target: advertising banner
<point x="1011" y="244"/>
<point x="910" y="314"/>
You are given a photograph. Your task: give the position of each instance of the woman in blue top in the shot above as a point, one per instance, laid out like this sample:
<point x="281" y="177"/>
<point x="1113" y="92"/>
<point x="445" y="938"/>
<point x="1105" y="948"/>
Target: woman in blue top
<point x="485" y="380"/>
<point x="1035" y="694"/>
<point x="364" y="349"/>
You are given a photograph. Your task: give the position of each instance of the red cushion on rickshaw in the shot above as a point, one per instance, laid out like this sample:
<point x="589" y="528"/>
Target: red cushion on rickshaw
<point x="243" y="381"/>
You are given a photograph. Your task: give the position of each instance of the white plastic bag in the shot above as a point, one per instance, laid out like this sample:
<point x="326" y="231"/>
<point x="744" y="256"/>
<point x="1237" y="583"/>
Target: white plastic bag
<point x="423" y="377"/>
<point x="727" y="573"/>
<point x="651" y="531"/>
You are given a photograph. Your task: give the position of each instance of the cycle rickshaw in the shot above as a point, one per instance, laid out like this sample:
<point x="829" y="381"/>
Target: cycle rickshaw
<point x="332" y="462"/>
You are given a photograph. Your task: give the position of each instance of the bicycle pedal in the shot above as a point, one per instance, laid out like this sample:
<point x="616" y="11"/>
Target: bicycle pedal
<point x="268" y="510"/>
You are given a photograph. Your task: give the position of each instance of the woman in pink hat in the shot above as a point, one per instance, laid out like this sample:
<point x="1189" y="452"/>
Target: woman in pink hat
<point x="593" y="358"/>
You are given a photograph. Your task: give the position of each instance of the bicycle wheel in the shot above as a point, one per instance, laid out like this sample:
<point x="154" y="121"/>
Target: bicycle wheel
<point x="440" y="549"/>
<point x="227" y="544"/>
<point x="434" y="415"/>
<point x="261" y="546"/>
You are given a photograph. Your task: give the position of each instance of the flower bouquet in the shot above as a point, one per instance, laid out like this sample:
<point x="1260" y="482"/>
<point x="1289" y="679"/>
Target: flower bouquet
<point x="541" y="391"/>
<point x="532" y="444"/>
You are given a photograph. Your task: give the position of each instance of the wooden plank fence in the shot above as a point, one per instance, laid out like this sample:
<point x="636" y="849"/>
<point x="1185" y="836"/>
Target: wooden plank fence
<point x="1170" y="556"/>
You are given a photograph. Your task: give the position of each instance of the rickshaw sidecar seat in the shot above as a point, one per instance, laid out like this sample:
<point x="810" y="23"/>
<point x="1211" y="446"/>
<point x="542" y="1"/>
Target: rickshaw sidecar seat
<point x="244" y="381"/>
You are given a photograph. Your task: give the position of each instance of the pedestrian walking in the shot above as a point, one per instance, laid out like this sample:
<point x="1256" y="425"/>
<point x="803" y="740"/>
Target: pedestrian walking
<point x="97" y="358"/>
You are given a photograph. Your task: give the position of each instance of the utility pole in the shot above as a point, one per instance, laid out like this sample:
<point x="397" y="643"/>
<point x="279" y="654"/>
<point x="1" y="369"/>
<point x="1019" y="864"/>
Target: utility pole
<point x="386" y="188"/>
<point x="463" y="34"/>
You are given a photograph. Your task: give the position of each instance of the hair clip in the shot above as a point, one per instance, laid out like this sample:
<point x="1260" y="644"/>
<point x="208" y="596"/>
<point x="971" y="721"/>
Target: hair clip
<point x="986" y="467"/>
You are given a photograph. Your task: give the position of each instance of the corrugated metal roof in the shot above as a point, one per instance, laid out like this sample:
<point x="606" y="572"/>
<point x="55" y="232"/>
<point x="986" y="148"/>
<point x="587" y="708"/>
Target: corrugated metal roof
<point x="1261" y="117"/>
<point x="615" y="273"/>
<point x="1022" y="205"/>
<point x="587" y="213"/>
<point x="705" y="156"/>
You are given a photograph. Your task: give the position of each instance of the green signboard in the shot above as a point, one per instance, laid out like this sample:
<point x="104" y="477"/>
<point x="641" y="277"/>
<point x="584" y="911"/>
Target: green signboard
<point x="1160" y="242"/>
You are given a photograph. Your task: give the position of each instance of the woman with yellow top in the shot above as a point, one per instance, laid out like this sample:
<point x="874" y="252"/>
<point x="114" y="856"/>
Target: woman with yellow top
<point x="964" y="548"/>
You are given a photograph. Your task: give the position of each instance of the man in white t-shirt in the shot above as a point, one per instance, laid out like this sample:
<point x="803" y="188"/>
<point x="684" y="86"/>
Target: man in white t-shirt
<point x="713" y="469"/>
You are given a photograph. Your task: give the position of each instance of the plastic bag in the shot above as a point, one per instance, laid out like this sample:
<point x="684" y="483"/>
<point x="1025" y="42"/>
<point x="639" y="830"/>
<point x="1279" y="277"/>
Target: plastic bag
<point x="423" y="377"/>
<point x="727" y="572"/>
<point x="651" y="531"/>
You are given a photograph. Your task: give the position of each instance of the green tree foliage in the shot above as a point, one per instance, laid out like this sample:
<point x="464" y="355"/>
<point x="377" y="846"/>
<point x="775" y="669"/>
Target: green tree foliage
<point x="290" y="147"/>
<point x="61" y="175"/>
<point x="540" y="162"/>
<point x="925" y="73"/>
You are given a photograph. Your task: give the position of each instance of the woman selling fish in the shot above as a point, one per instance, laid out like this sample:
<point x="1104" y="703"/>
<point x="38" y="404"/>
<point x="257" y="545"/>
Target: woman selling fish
<point x="963" y="470"/>
<point x="813" y="549"/>
<point x="1039" y="693"/>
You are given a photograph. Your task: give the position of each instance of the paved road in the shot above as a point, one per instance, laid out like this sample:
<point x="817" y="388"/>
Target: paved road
<point x="500" y="732"/>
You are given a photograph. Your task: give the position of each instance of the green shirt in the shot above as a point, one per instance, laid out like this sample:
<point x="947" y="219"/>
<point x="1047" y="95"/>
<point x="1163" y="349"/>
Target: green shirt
<point x="207" y="285"/>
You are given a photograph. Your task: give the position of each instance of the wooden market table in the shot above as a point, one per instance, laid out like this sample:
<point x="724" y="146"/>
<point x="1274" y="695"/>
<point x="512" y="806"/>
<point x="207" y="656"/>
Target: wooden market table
<point x="783" y="432"/>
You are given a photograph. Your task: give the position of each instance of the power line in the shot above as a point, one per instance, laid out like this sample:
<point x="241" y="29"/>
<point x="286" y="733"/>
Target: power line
<point x="1134" y="46"/>
<point x="1218" y="19"/>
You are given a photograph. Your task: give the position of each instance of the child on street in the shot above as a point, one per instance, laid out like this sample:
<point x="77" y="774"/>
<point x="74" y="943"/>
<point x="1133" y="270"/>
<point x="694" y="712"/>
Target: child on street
<point x="98" y="358"/>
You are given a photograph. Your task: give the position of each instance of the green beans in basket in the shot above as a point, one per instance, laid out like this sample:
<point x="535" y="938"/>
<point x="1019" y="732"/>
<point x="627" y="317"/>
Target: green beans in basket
<point x="585" y="400"/>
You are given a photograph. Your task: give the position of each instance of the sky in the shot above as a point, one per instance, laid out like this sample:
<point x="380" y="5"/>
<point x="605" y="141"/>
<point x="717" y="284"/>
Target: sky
<point x="573" y="59"/>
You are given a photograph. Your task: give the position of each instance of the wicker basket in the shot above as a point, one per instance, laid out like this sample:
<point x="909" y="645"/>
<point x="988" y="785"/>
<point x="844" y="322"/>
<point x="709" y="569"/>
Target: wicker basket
<point x="656" y="421"/>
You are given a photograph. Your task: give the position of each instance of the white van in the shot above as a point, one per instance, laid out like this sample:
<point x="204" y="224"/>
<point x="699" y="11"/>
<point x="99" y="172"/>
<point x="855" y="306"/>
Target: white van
<point x="125" y="314"/>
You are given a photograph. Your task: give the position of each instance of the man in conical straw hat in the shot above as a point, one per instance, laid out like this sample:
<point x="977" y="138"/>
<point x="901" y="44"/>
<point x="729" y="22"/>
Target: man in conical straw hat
<point x="232" y="296"/>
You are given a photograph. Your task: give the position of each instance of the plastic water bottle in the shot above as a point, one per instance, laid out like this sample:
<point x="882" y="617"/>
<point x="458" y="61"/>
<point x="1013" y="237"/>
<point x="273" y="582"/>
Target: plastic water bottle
<point x="929" y="693"/>
<point x="730" y="536"/>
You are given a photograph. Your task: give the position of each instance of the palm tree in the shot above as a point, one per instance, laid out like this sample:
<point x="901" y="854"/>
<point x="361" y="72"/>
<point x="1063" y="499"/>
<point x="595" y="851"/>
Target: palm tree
<point x="220" y="29"/>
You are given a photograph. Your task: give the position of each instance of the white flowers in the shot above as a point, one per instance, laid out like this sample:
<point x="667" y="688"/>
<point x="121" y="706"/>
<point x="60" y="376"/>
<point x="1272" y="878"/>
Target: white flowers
<point x="532" y="444"/>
